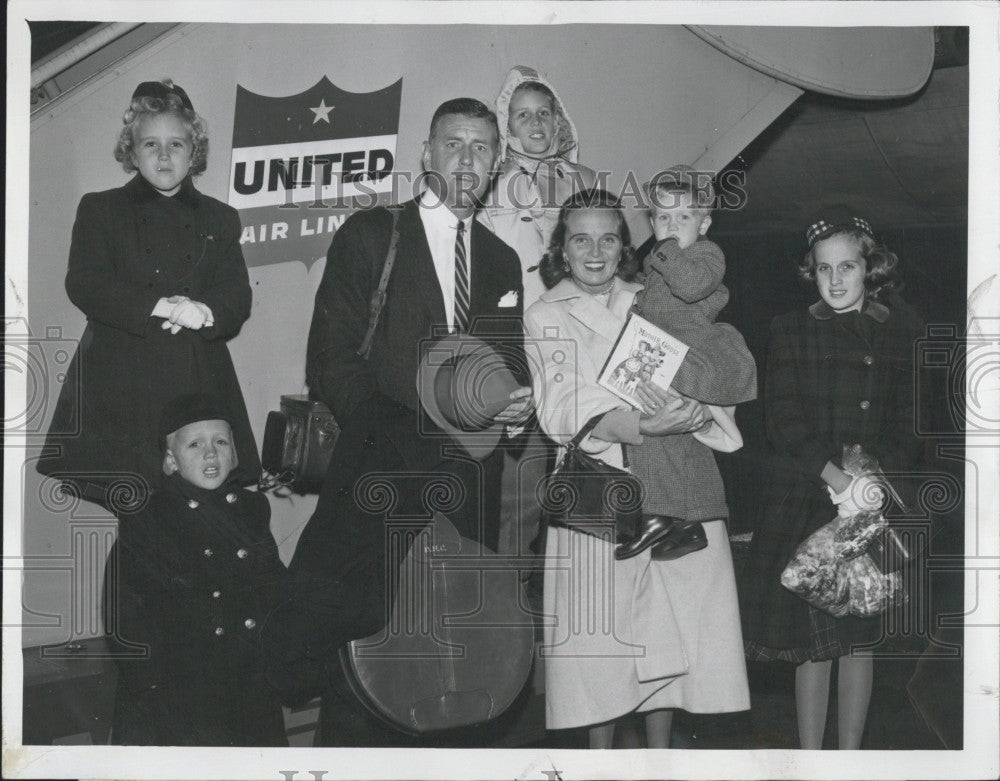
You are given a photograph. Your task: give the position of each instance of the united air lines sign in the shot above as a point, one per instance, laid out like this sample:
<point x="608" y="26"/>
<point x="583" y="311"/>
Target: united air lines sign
<point x="302" y="163"/>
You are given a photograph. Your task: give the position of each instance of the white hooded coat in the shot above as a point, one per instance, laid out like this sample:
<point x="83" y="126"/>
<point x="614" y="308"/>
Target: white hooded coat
<point x="523" y="206"/>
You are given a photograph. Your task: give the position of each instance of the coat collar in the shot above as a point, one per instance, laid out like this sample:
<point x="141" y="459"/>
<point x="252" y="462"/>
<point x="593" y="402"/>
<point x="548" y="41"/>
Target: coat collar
<point x="876" y="311"/>
<point x="604" y="320"/>
<point x="142" y="191"/>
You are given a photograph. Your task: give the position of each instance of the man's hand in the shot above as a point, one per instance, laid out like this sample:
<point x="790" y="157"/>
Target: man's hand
<point x="520" y="408"/>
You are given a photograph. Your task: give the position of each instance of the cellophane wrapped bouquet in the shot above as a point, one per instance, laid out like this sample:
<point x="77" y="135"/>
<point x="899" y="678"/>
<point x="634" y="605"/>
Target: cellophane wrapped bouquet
<point x="830" y="568"/>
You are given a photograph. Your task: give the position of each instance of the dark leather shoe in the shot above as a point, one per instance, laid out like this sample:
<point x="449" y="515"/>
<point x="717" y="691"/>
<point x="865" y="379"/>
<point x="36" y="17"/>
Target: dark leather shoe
<point x="681" y="539"/>
<point x="654" y="529"/>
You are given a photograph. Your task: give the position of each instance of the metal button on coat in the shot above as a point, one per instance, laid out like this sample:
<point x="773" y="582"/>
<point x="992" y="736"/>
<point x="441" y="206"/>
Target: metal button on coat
<point x="219" y="630"/>
<point x="193" y="504"/>
<point x="242" y="553"/>
<point x="868" y="360"/>
<point x="865" y="404"/>
<point x="216" y="594"/>
<point x="249" y="623"/>
<point x="231" y="498"/>
<point x="208" y="553"/>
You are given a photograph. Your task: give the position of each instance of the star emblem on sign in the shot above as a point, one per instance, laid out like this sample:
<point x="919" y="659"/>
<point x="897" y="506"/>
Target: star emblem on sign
<point x="322" y="111"/>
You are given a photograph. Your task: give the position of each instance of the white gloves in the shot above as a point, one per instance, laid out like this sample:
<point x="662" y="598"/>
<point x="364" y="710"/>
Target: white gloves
<point x="180" y="312"/>
<point x="864" y="494"/>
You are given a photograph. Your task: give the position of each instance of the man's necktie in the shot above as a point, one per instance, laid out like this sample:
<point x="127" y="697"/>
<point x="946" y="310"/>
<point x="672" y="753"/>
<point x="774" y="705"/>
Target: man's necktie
<point x="461" y="282"/>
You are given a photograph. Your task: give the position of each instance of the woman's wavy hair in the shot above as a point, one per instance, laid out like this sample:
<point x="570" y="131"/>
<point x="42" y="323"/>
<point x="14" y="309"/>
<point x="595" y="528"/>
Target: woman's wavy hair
<point x="881" y="274"/>
<point x="171" y="104"/>
<point x="553" y="267"/>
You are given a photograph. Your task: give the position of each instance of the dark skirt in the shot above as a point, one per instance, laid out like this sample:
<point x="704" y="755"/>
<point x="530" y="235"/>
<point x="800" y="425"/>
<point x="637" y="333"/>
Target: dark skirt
<point x="773" y="617"/>
<point x="826" y="641"/>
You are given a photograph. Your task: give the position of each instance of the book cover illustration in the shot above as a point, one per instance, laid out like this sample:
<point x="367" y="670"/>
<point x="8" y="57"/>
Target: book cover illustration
<point x="642" y="352"/>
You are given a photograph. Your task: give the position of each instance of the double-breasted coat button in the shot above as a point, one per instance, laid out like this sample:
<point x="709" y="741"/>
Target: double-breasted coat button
<point x="249" y="623"/>
<point x="865" y="404"/>
<point x="208" y="552"/>
<point x="868" y="360"/>
<point x="231" y="498"/>
<point x="219" y="631"/>
<point x="149" y="251"/>
<point x="193" y="504"/>
<point x="242" y="553"/>
<point x="216" y="594"/>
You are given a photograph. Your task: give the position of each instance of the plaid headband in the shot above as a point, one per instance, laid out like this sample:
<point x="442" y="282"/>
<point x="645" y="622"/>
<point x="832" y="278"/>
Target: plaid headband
<point x="834" y="219"/>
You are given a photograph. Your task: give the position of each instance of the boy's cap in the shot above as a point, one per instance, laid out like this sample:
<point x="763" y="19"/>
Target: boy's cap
<point x="189" y="409"/>
<point x="161" y="91"/>
<point x="832" y="219"/>
<point x="683" y="177"/>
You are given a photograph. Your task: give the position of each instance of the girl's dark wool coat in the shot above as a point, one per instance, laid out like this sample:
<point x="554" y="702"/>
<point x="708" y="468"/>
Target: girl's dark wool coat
<point x="831" y="380"/>
<point x="191" y="583"/>
<point x="131" y="246"/>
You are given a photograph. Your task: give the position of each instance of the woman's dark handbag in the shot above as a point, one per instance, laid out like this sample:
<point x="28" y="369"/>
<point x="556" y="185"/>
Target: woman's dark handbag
<point x="586" y="495"/>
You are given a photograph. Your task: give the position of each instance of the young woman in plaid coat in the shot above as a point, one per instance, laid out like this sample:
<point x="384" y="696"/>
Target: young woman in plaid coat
<point x="838" y="373"/>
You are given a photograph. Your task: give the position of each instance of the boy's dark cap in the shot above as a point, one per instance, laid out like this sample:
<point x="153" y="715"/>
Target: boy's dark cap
<point x="686" y="178"/>
<point x="182" y="410"/>
<point x="161" y="91"/>
<point x="833" y="219"/>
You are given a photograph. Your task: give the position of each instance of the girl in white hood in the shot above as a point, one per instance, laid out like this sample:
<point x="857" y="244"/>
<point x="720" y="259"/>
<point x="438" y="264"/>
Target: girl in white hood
<point x="538" y="170"/>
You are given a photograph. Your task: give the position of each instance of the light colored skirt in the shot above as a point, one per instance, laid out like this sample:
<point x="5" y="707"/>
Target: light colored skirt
<point x="638" y="634"/>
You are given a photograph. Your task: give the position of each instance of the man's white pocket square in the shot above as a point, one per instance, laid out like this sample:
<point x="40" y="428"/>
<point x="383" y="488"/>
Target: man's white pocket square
<point x="509" y="299"/>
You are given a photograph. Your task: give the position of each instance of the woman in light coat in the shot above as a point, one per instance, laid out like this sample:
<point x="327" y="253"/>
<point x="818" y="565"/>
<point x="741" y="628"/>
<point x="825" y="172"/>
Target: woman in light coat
<point x="639" y="634"/>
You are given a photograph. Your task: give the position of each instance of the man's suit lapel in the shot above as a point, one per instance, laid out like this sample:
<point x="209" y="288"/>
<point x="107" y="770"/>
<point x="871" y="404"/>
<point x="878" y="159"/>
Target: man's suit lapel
<point x="421" y="279"/>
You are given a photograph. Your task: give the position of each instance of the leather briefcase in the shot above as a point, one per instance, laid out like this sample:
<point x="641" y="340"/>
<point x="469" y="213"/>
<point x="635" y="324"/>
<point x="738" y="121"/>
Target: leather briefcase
<point x="298" y="443"/>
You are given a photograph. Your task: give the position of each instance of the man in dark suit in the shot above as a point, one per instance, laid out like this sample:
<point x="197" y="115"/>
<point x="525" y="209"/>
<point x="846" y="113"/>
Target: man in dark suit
<point x="391" y="463"/>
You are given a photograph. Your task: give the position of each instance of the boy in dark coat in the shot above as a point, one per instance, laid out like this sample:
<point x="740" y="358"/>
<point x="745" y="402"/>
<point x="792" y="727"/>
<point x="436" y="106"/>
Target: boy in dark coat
<point x="194" y="576"/>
